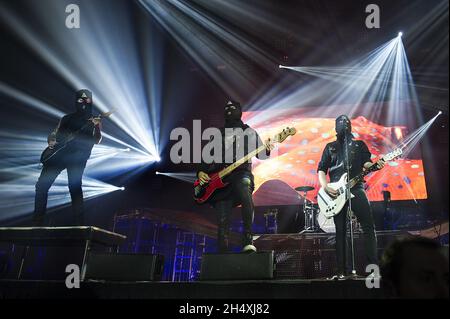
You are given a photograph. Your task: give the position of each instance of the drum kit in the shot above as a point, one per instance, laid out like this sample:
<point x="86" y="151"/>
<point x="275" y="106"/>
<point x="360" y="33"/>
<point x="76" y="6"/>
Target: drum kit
<point x="314" y="220"/>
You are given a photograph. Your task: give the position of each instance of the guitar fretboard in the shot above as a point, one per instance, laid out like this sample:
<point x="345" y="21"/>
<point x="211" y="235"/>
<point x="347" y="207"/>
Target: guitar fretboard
<point x="227" y="170"/>
<point x="279" y="138"/>
<point x="393" y="155"/>
<point x="360" y="176"/>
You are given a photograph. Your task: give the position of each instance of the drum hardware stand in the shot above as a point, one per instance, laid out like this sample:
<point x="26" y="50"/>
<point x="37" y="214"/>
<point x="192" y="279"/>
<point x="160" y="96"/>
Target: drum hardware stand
<point x="271" y="221"/>
<point x="308" y="211"/>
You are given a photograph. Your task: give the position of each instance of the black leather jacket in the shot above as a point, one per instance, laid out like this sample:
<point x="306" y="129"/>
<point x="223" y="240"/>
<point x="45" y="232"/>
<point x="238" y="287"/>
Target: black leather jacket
<point x="333" y="159"/>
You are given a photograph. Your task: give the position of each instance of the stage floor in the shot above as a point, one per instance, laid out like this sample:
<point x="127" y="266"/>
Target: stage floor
<point x="247" y="289"/>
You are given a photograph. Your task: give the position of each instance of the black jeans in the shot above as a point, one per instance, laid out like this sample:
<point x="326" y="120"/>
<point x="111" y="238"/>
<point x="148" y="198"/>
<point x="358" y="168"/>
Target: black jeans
<point x="363" y="212"/>
<point x="242" y="189"/>
<point x="49" y="173"/>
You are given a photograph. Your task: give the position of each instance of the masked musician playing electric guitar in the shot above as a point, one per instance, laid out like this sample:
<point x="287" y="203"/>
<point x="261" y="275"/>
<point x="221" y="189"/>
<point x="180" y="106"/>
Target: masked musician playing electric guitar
<point x="333" y="161"/>
<point x="70" y="146"/>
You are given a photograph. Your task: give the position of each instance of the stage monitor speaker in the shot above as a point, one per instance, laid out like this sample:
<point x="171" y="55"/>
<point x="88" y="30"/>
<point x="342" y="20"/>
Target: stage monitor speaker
<point x="237" y="266"/>
<point x="124" y="267"/>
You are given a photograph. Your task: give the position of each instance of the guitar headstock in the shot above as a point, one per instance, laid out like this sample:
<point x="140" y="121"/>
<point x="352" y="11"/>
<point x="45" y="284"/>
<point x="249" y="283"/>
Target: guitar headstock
<point x="107" y="114"/>
<point x="284" y="134"/>
<point x="393" y="155"/>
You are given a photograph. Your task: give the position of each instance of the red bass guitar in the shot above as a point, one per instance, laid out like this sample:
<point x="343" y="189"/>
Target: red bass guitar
<point x="202" y="193"/>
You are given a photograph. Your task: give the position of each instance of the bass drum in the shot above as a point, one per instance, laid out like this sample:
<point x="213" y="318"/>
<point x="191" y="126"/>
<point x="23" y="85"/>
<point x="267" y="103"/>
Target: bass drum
<point x="325" y="224"/>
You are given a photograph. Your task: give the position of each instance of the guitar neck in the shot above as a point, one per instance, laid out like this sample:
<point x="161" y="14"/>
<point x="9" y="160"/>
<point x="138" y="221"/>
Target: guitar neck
<point x="360" y="176"/>
<point x="227" y="170"/>
<point x="74" y="134"/>
<point x="279" y="138"/>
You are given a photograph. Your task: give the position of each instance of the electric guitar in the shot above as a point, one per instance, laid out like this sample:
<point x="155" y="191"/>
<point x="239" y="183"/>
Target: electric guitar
<point x="52" y="151"/>
<point x="330" y="206"/>
<point x="202" y="193"/>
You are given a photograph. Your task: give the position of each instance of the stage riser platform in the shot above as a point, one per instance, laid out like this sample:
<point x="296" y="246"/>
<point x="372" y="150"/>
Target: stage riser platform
<point x="313" y="255"/>
<point x="297" y="256"/>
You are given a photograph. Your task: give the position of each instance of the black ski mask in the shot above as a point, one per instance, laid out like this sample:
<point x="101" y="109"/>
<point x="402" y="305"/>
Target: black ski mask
<point x="233" y="114"/>
<point x="83" y="103"/>
<point x="343" y="126"/>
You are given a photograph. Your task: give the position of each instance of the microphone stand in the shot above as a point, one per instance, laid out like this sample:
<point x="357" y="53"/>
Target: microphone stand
<point x="349" y="210"/>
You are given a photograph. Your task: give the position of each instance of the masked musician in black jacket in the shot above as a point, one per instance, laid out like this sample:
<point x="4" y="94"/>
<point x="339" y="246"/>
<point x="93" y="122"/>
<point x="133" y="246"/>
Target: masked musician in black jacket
<point x="237" y="139"/>
<point x="334" y="162"/>
<point x="84" y="131"/>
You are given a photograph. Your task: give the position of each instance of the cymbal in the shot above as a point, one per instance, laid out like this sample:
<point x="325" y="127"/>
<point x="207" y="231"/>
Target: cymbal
<point x="304" y="188"/>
